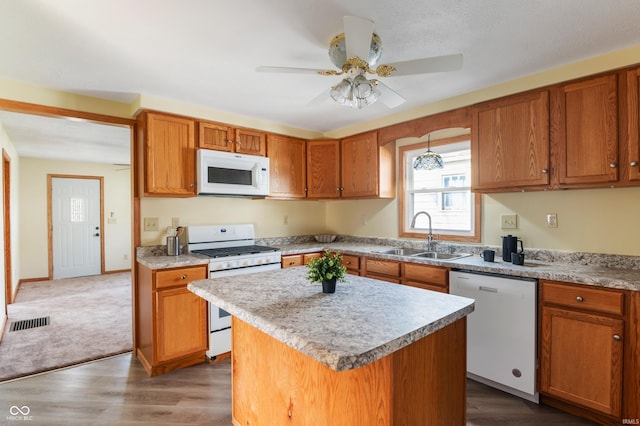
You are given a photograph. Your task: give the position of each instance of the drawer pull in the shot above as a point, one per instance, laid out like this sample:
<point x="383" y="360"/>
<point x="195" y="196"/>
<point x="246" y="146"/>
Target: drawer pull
<point x="183" y="277"/>
<point x="579" y="299"/>
<point x="545" y="171"/>
<point x="616" y="337"/>
<point x="634" y="164"/>
<point x="488" y="289"/>
<point x="292" y="262"/>
<point x="613" y="165"/>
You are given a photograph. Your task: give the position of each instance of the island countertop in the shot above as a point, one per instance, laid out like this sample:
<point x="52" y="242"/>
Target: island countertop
<point x="363" y="321"/>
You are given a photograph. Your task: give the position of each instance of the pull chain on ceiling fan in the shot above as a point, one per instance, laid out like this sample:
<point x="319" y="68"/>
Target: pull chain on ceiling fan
<point x="355" y="53"/>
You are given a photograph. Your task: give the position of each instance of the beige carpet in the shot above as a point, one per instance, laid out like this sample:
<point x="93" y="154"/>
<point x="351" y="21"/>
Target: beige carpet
<point x="90" y="318"/>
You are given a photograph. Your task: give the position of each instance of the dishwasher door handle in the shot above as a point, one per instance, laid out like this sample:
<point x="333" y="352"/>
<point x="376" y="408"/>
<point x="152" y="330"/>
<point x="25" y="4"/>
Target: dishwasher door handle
<point x="488" y="289"/>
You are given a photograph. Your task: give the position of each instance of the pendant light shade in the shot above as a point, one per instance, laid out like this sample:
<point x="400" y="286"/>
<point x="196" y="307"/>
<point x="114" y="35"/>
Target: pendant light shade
<point x="428" y="160"/>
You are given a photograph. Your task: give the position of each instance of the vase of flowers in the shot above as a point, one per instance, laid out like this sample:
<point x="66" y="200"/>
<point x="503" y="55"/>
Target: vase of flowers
<point x="327" y="269"/>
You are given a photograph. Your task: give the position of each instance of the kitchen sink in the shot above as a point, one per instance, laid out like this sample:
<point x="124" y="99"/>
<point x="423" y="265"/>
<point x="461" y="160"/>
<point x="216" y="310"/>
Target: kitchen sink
<point x="440" y="256"/>
<point x="401" y="251"/>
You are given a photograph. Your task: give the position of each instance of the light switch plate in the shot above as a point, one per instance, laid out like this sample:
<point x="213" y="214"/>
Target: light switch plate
<point x="552" y="220"/>
<point x="509" y="221"/>
<point x="150" y="223"/>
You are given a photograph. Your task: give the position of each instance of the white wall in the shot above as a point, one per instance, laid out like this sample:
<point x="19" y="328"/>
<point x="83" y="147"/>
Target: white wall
<point x="7" y="146"/>
<point x="32" y="191"/>
<point x="268" y="216"/>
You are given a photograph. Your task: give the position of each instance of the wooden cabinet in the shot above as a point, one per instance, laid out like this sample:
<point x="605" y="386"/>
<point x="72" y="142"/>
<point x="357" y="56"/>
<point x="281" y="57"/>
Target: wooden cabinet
<point x="291" y="260"/>
<point x="356" y="167"/>
<point x="584" y="131"/>
<point x="582" y="346"/>
<point x="428" y="277"/>
<point x="171" y="321"/>
<point x="385" y="270"/>
<point x="368" y="169"/>
<point x="288" y="167"/>
<point x="352" y="263"/>
<point x="323" y="169"/>
<point x="222" y="137"/>
<point x="630" y="135"/>
<point x="166" y="148"/>
<point x="510" y="142"/>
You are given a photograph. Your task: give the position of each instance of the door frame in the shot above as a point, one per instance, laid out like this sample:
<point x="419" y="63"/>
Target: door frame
<point x="50" y="178"/>
<point x="6" y="203"/>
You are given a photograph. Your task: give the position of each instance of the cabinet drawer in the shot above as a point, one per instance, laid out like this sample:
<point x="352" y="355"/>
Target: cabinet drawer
<point x="181" y="276"/>
<point x="351" y="262"/>
<point x="426" y="274"/>
<point x="382" y="267"/>
<point x="292" y="260"/>
<point x="306" y="258"/>
<point x="582" y="297"/>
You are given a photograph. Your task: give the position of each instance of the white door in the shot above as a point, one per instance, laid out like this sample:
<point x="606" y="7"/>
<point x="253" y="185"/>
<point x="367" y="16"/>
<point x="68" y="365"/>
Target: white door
<point x="75" y="221"/>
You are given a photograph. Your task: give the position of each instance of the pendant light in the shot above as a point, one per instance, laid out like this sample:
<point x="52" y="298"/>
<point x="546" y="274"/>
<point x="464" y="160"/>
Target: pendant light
<point x="428" y="160"/>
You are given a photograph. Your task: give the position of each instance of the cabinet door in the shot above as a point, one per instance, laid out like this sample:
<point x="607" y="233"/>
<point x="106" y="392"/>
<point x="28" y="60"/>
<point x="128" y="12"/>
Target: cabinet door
<point x="215" y="136"/>
<point x="169" y="155"/>
<point x="251" y="142"/>
<point x="291" y="260"/>
<point x="510" y="142"/>
<point x="359" y="165"/>
<point x="585" y="131"/>
<point x="181" y="318"/>
<point x="288" y="166"/>
<point x="306" y="258"/>
<point x="633" y="124"/>
<point x="323" y="169"/>
<point x="581" y="359"/>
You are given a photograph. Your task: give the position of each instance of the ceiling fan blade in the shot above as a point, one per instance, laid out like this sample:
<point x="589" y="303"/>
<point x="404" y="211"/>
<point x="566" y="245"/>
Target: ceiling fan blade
<point x="289" y="70"/>
<point x="388" y="96"/>
<point x="428" y="65"/>
<point x="320" y="99"/>
<point x="357" y="36"/>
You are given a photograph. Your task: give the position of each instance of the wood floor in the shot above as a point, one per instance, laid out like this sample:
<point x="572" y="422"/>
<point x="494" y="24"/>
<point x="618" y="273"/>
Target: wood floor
<point x="117" y="391"/>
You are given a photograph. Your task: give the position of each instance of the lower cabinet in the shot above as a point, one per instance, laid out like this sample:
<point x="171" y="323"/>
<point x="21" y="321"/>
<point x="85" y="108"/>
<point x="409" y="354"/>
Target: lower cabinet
<point x="291" y="260"/>
<point x="582" y="346"/>
<point x="428" y="277"/>
<point x="384" y="270"/>
<point x="171" y="321"/>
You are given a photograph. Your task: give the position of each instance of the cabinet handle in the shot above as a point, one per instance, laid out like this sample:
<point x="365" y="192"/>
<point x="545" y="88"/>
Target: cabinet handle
<point x="183" y="277"/>
<point x="229" y="140"/>
<point x="634" y="164"/>
<point x="292" y="263"/>
<point x="613" y="165"/>
<point x="545" y="171"/>
<point x="579" y="299"/>
<point x="617" y="337"/>
<point x="238" y="143"/>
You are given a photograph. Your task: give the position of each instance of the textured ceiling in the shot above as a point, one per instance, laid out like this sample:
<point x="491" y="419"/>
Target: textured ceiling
<point x="205" y="52"/>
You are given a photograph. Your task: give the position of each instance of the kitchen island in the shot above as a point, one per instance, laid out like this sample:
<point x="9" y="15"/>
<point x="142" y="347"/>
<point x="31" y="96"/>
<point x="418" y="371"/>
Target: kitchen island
<point x="371" y="353"/>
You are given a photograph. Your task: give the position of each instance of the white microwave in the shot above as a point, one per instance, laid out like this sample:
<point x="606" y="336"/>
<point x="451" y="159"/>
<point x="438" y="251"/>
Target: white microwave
<point x="231" y="174"/>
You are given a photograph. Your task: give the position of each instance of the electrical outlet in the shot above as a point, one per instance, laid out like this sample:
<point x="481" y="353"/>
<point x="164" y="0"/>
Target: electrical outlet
<point x="175" y="222"/>
<point x="286" y="219"/>
<point x="150" y="223"/>
<point x="364" y="219"/>
<point x="509" y="221"/>
<point x="552" y="220"/>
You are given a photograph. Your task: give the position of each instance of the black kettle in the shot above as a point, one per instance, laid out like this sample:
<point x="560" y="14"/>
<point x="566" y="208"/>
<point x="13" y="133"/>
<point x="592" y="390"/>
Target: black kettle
<point x="510" y="245"/>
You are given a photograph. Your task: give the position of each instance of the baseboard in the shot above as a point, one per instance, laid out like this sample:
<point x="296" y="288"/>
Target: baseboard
<point x="2" y="326"/>
<point x="30" y="280"/>
<point x="116" y="271"/>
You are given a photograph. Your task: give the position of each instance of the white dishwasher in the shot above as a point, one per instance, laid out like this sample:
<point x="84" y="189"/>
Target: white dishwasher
<point x="501" y="331"/>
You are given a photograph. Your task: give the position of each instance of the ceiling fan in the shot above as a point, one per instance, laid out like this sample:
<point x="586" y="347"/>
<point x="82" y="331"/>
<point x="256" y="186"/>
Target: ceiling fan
<point x="356" y="52"/>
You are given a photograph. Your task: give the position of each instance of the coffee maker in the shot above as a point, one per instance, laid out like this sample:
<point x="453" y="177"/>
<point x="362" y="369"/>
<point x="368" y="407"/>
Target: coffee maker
<point x="510" y="245"/>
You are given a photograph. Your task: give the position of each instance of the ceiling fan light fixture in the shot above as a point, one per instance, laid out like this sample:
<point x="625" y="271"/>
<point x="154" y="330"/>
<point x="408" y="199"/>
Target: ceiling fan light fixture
<point x="356" y="92"/>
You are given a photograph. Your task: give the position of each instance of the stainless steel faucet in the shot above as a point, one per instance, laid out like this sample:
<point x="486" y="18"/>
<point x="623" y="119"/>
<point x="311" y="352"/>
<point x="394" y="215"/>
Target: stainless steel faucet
<point x="430" y="235"/>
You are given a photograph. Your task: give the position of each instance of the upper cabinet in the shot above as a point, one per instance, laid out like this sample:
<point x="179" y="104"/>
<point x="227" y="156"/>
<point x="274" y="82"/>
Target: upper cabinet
<point x="630" y="158"/>
<point x="368" y="168"/>
<point x="510" y="142"/>
<point x="323" y="169"/>
<point x="584" y="130"/>
<point x="356" y="167"/>
<point x="166" y="148"/>
<point x="288" y="166"/>
<point x="223" y="137"/>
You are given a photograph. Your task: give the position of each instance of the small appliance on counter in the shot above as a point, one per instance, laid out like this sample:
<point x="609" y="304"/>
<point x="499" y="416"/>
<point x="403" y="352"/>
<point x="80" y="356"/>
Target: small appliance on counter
<point x="510" y="245"/>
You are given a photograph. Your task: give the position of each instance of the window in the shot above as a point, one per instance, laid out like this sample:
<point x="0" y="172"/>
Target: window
<point x="443" y="193"/>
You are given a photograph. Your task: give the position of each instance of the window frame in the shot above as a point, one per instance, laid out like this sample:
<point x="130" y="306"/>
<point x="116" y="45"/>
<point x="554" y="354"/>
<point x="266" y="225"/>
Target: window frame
<point x="402" y="199"/>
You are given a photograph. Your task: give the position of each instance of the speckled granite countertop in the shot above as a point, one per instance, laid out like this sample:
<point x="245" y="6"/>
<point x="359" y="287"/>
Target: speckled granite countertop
<point x="622" y="272"/>
<point x="348" y="329"/>
<point x="621" y="278"/>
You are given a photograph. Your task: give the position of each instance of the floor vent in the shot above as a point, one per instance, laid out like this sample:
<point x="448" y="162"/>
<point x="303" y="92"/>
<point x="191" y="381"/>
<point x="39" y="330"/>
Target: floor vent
<point x="30" y="323"/>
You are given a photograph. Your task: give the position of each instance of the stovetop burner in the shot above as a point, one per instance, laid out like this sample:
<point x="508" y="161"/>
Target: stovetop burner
<point x="234" y="251"/>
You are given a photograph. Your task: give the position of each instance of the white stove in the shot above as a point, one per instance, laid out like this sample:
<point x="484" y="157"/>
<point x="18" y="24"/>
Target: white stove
<point x="232" y="251"/>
